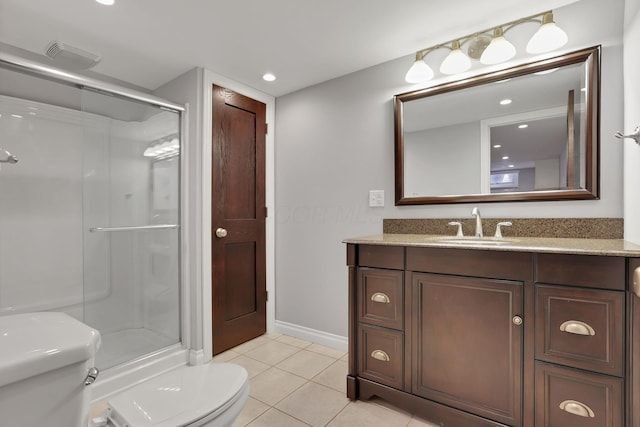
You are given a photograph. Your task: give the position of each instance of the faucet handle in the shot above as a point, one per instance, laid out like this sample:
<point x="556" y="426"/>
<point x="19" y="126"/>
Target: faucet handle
<point x="459" y="224"/>
<point x="498" y="231"/>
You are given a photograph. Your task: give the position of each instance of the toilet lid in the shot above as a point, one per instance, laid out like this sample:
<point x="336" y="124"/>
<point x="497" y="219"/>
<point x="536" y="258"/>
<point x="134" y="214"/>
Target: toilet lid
<point x="179" y="397"/>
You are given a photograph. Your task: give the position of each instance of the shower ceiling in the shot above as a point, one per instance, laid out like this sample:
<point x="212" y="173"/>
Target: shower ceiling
<point x="302" y="42"/>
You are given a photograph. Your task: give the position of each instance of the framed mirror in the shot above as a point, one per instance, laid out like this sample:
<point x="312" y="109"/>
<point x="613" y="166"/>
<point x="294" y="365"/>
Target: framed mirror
<point x="526" y="133"/>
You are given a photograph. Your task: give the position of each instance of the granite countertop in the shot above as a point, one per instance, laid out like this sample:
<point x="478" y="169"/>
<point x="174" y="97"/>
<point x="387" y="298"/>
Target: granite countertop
<point x="611" y="247"/>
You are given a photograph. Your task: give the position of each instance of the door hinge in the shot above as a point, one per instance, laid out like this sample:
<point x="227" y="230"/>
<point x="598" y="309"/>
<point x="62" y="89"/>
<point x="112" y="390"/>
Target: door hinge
<point x="266" y="128"/>
<point x="267" y="292"/>
<point x="266" y="211"/>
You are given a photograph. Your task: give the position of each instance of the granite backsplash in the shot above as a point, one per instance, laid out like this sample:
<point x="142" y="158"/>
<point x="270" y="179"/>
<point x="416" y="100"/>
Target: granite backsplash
<point x="575" y="228"/>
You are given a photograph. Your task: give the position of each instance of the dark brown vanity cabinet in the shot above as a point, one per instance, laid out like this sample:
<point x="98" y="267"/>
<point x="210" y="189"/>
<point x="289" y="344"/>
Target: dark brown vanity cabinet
<point x="479" y="338"/>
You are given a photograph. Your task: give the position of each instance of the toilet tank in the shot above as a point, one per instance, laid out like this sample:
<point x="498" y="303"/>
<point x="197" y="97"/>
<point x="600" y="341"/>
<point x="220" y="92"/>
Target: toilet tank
<point x="44" y="361"/>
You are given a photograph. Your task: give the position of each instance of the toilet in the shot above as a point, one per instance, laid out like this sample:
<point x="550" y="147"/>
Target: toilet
<point x="46" y="367"/>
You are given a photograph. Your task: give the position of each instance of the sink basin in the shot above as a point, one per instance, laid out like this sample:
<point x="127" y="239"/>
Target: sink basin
<point x="472" y="240"/>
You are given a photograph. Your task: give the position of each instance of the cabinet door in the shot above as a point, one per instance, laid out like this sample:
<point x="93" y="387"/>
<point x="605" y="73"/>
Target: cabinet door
<point x="467" y="348"/>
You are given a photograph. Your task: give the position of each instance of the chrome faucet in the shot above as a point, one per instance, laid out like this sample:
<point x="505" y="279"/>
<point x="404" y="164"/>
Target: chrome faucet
<point x="476" y="212"/>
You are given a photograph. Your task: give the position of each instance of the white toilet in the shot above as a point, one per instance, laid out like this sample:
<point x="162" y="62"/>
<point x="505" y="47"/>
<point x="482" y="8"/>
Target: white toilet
<point x="46" y="365"/>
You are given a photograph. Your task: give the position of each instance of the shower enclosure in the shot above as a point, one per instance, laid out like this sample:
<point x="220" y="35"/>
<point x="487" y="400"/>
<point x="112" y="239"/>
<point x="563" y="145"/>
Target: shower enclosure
<point x="89" y="211"/>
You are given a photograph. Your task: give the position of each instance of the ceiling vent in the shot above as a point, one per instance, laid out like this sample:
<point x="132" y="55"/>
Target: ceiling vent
<point x="70" y="57"/>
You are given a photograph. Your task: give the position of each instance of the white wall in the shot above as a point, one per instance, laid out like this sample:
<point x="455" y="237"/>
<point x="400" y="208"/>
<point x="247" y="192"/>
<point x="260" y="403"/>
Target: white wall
<point x="335" y="143"/>
<point x="631" y="120"/>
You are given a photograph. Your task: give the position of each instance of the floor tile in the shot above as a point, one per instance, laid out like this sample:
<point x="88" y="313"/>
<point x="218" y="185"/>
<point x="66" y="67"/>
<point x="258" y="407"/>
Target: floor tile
<point x="364" y="414"/>
<point x="272" y="352"/>
<point x="275" y="418"/>
<point x="273" y="385"/>
<point x="252" y="366"/>
<point x="306" y="364"/>
<point x="252" y="410"/>
<point x="345" y="357"/>
<point x="296" y="342"/>
<point x="250" y="345"/>
<point x="327" y="351"/>
<point x="335" y="376"/>
<point x="419" y="422"/>
<point x="314" y="404"/>
<point x="225" y="356"/>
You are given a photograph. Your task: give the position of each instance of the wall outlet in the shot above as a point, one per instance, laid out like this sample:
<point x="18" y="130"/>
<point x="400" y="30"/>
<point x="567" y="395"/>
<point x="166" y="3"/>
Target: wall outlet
<point x="376" y="198"/>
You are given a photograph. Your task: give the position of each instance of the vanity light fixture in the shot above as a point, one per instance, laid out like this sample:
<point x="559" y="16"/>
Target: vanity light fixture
<point x="505" y="157"/>
<point x="497" y="146"/>
<point x="456" y="62"/>
<point x="523" y="126"/>
<point x="512" y="166"/>
<point x="489" y="46"/>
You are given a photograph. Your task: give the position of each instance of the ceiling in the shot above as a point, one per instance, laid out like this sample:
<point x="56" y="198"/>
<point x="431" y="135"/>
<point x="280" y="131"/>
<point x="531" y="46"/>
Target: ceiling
<point x="303" y="42"/>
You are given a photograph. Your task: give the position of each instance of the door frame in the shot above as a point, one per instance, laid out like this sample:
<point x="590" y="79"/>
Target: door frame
<point x="209" y="79"/>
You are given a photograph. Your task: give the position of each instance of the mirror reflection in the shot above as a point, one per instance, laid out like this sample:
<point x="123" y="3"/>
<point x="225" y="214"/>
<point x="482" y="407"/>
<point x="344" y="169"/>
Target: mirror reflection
<point x="527" y="133"/>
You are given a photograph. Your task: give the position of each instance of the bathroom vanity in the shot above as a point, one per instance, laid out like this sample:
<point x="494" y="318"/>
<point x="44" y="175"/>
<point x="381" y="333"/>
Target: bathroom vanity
<point x="528" y="332"/>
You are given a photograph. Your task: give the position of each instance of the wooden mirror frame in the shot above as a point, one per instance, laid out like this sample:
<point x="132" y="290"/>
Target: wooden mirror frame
<point x="591" y="58"/>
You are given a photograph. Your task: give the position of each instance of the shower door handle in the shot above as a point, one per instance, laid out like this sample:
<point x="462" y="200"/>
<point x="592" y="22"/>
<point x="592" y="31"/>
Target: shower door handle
<point x="221" y="233"/>
<point x="9" y="158"/>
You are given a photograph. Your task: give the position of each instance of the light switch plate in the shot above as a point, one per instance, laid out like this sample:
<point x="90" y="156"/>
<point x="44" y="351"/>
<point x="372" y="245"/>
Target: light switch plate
<point x="376" y="198"/>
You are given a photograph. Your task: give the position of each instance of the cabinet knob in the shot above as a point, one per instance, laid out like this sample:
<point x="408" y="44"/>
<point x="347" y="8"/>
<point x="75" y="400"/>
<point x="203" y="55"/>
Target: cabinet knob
<point x="636" y="281"/>
<point x="577" y="408"/>
<point x="221" y="233"/>
<point x="517" y="320"/>
<point x="577" y="327"/>
<point x="380" y="355"/>
<point x="380" y="297"/>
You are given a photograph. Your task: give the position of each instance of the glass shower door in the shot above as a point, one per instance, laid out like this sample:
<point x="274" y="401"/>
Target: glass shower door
<point x="130" y="226"/>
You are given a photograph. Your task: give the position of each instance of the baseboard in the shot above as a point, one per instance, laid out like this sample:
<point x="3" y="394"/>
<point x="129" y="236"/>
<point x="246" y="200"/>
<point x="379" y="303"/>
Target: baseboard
<point x="196" y="357"/>
<point x="319" y="337"/>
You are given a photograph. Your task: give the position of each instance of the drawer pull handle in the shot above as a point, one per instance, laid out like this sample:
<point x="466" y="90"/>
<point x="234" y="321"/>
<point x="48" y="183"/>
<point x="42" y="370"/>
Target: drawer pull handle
<point x="380" y="297"/>
<point x="577" y="408"/>
<point x="636" y="281"/>
<point x="380" y="355"/>
<point x="577" y="327"/>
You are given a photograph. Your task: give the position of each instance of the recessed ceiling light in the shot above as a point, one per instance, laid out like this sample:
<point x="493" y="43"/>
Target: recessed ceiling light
<point x="505" y="157"/>
<point x="268" y="77"/>
<point x="505" y="102"/>
<point x="512" y="166"/>
<point x="106" y="2"/>
<point x="523" y="126"/>
<point x="17" y="116"/>
<point x="497" y="146"/>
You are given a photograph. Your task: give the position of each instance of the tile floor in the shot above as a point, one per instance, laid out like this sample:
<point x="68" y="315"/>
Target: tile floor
<point x="297" y="383"/>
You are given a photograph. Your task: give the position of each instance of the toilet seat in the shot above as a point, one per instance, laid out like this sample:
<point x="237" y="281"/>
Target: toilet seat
<point x="187" y="396"/>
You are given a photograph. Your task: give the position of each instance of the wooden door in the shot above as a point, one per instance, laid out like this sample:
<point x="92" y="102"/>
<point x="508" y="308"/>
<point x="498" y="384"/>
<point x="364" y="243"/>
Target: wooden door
<point x="467" y="350"/>
<point x="238" y="219"/>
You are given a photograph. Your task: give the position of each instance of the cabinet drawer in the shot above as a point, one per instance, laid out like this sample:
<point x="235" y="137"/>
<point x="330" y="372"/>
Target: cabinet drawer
<point x="380" y="297"/>
<point x="381" y="355"/>
<point x="582" y="328"/>
<point x="590" y="271"/>
<point x="381" y="256"/>
<point x="567" y="398"/>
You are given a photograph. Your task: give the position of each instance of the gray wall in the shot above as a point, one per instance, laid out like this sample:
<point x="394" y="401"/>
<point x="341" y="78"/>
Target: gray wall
<point x="334" y="143"/>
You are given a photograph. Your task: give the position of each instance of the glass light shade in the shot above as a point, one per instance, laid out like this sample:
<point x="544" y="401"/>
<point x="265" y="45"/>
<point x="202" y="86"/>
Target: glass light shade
<point x="548" y="37"/>
<point x="499" y="50"/>
<point x="419" y="72"/>
<point x="456" y="62"/>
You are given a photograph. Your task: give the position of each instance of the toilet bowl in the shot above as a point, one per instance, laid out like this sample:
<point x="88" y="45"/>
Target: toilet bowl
<point x="46" y="368"/>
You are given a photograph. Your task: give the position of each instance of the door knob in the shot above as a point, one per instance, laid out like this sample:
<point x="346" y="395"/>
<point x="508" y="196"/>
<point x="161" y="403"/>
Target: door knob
<point x="221" y="233"/>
